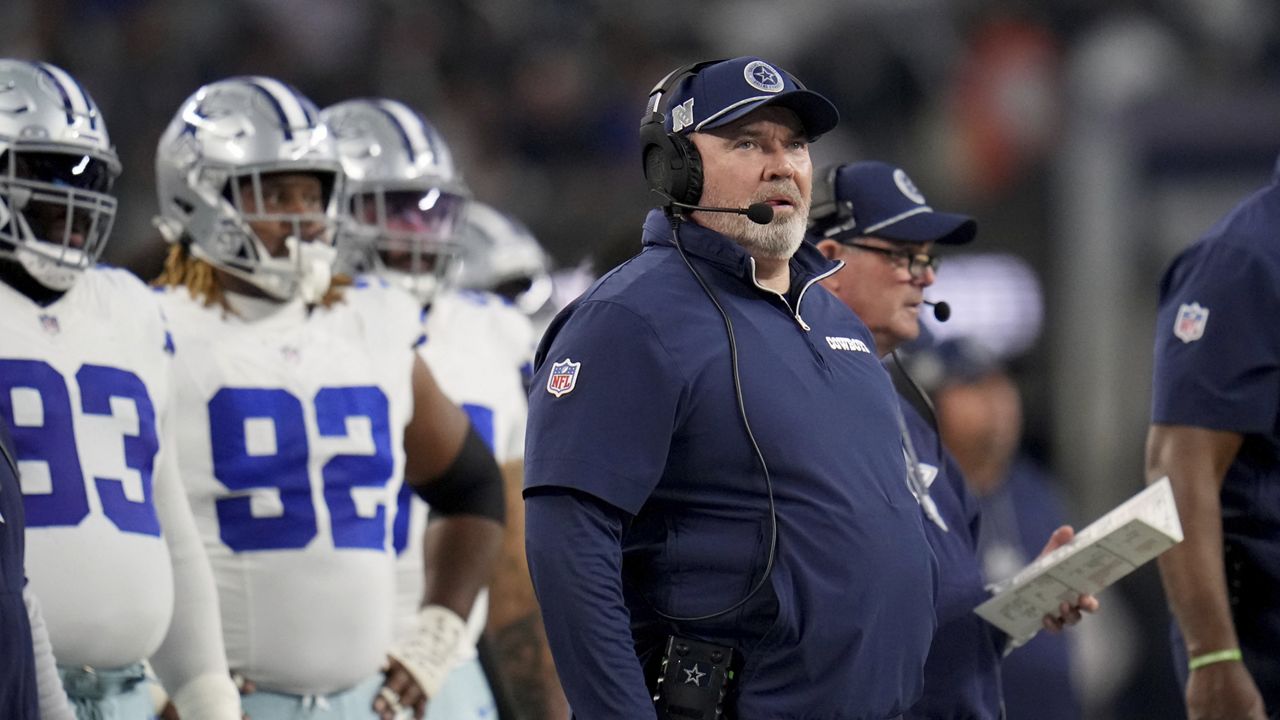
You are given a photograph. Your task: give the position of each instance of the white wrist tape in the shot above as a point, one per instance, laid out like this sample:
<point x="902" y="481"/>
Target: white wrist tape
<point x="431" y="652"/>
<point x="208" y="697"/>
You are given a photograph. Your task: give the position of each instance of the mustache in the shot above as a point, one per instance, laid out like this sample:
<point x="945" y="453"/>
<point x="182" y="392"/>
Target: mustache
<point x="780" y="188"/>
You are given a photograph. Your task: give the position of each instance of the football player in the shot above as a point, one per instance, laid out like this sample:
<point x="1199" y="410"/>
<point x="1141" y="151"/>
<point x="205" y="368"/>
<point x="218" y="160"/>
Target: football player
<point x="405" y="201"/>
<point x="307" y="407"/>
<point x="113" y="552"/>
<point x="503" y="257"/>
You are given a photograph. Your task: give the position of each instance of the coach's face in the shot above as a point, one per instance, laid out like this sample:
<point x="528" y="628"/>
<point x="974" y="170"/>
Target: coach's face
<point x="761" y="158"/>
<point x="876" y="282"/>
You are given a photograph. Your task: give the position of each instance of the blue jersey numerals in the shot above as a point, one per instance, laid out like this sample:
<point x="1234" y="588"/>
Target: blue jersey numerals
<point x="260" y="444"/>
<point x="482" y="420"/>
<point x="37" y="407"/>
<point x="334" y="407"/>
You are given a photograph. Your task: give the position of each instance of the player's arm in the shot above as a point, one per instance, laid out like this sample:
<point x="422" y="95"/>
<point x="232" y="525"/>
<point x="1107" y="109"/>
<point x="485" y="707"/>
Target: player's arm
<point x="1196" y="461"/>
<point x="191" y="661"/>
<point x="449" y="465"/>
<point x="515" y="622"/>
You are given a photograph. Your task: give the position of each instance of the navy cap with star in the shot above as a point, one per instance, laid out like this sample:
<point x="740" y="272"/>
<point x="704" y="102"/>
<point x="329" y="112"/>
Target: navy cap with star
<point x="880" y="200"/>
<point x="726" y="91"/>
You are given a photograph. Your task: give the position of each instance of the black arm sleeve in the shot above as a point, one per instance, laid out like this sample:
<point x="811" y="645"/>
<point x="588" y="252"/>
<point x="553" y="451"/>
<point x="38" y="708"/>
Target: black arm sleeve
<point x="471" y="486"/>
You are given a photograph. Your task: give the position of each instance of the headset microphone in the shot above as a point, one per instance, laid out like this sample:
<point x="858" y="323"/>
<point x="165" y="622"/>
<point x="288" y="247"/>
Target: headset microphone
<point x="758" y="213"/>
<point x="941" y="310"/>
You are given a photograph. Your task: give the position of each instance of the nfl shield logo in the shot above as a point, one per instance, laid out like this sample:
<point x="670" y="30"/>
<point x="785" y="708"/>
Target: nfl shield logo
<point x="50" y="324"/>
<point x="563" y="377"/>
<point x="1189" y="325"/>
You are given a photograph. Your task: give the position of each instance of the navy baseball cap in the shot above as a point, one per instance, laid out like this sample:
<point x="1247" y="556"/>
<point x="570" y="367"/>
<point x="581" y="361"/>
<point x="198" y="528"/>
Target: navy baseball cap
<point x="878" y="199"/>
<point x="727" y="90"/>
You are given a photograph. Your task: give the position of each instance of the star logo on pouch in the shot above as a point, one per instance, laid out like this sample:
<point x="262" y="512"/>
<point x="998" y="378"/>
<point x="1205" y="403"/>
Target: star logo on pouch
<point x="693" y="676"/>
<point x="1190" y="323"/>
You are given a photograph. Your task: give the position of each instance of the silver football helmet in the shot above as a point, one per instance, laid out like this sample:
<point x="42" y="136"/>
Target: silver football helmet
<point x="57" y="166"/>
<point x="501" y="255"/>
<point x="404" y="196"/>
<point x="210" y="167"/>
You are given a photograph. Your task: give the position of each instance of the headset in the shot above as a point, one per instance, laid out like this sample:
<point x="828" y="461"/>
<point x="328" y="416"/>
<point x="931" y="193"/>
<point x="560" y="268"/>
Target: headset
<point x="672" y="164"/>
<point x="825" y="209"/>
<point x="673" y="168"/>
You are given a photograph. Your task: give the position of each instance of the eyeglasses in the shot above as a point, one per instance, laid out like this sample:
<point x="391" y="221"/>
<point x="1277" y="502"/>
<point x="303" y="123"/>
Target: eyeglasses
<point x="915" y="263"/>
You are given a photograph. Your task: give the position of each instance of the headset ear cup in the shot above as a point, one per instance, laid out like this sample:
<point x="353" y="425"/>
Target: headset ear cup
<point x="672" y="163"/>
<point x="692" y="190"/>
<point x="824" y="209"/>
<point x="659" y="156"/>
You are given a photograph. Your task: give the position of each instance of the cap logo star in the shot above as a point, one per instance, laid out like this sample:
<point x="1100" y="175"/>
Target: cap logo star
<point x="762" y="77"/>
<point x="907" y="187"/>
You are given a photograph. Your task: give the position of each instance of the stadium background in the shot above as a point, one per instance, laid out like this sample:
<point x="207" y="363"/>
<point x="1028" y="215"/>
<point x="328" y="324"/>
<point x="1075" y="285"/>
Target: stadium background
<point x="1090" y="138"/>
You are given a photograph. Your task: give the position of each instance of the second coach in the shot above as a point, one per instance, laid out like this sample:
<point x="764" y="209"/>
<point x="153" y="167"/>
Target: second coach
<point x="718" y="514"/>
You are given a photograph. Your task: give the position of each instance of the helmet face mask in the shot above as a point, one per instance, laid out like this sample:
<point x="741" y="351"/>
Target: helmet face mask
<point x="404" y="236"/>
<point x="217" y="169"/>
<point x="404" y="201"/>
<point x="57" y="167"/>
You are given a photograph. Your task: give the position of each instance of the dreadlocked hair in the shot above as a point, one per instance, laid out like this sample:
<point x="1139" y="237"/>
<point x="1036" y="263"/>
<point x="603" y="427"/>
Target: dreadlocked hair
<point x="182" y="269"/>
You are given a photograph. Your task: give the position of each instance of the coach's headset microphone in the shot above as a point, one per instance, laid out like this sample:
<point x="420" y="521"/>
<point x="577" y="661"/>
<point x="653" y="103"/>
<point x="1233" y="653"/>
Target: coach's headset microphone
<point x="941" y="309"/>
<point x="673" y="169"/>
<point x="758" y="213"/>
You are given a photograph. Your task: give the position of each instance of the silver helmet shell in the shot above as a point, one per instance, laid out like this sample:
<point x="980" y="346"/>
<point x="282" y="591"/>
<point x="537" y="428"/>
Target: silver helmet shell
<point x="404" y="195"/>
<point x="57" y="167"/>
<point x="501" y="255"/>
<point x="227" y="136"/>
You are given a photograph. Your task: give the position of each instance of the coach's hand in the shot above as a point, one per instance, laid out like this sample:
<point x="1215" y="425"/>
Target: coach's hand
<point x="1068" y="613"/>
<point x="399" y="693"/>
<point x="1223" y="691"/>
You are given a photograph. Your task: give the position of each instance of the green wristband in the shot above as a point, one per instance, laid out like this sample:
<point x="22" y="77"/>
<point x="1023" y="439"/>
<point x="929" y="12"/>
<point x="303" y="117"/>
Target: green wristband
<point x="1232" y="655"/>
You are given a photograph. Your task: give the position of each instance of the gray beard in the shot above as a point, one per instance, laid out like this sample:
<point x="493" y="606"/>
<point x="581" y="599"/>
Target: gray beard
<point x="778" y="240"/>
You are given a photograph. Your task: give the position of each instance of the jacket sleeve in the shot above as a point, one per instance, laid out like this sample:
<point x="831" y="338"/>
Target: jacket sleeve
<point x="573" y="541"/>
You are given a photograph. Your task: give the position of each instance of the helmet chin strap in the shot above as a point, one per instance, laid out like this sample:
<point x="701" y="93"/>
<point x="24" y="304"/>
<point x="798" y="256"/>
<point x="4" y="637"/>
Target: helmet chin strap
<point x="54" y="275"/>
<point x="315" y="267"/>
<point x="51" y="274"/>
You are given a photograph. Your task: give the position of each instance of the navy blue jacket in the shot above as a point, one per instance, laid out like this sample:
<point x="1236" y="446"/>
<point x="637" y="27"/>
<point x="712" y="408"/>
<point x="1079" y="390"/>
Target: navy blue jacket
<point x="962" y="675"/>
<point x="18" y="692"/>
<point x="643" y="492"/>
<point x="1217" y="366"/>
<point x="1017" y="519"/>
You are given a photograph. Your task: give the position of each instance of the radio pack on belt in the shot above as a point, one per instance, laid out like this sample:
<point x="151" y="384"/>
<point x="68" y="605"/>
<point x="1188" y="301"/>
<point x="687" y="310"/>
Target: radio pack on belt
<point x="692" y="680"/>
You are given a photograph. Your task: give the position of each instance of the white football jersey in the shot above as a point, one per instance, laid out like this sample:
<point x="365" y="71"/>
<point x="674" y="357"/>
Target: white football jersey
<point x="292" y="451"/>
<point x="84" y="386"/>
<point x="477" y="347"/>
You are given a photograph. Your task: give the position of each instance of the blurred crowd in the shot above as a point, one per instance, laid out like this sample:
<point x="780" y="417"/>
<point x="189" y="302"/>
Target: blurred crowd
<point x="988" y="101"/>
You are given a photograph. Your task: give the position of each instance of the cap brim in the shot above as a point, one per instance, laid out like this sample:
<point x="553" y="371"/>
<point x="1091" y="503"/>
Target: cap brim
<point x="934" y="227"/>
<point x="816" y="113"/>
